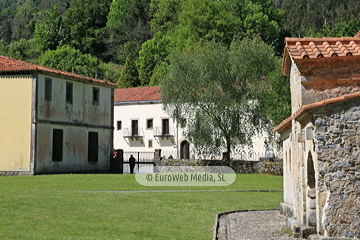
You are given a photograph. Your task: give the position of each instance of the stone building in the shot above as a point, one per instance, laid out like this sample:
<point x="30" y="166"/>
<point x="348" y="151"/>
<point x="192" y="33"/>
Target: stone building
<point x="53" y="121"/>
<point x="321" y="139"/>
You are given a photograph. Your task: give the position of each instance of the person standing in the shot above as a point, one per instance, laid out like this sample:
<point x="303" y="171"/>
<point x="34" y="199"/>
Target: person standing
<point x="132" y="163"/>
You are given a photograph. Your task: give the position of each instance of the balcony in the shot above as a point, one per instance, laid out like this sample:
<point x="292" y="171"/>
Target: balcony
<point x="164" y="132"/>
<point x="133" y="133"/>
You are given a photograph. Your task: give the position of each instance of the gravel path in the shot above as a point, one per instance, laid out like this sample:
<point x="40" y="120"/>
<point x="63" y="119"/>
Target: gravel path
<point x="252" y="225"/>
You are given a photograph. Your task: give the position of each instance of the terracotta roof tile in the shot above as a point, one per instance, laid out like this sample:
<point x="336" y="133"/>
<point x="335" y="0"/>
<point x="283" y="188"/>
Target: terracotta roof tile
<point x="8" y="65"/>
<point x="139" y="94"/>
<point x="299" y="48"/>
<point x="311" y="48"/>
<point x="287" y="121"/>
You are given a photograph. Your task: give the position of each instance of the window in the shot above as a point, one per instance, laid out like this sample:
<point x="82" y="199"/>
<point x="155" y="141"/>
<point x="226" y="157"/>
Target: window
<point x="48" y="89"/>
<point x="134" y="128"/>
<point x="118" y="125"/>
<point x="57" y="146"/>
<point x="96" y="96"/>
<point x="149" y="124"/>
<point x="69" y="92"/>
<point x="93" y="147"/>
<point x="165" y="126"/>
<point x="150" y="143"/>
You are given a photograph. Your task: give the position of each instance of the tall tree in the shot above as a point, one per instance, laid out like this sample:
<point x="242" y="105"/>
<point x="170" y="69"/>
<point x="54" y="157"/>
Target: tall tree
<point x="49" y="31"/>
<point x="85" y="23"/>
<point x="220" y="98"/>
<point x="128" y="27"/>
<point x="69" y="59"/>
<point x="129" y="75"/>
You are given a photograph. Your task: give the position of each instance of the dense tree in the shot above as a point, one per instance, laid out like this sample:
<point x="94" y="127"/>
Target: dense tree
<point x="153" y="52"/>
<point x="129" y="76"/>
<point x="48" y="32"/>
<point x="85" y="23"/>
<point x="69" y="59"/>
<point x="128" y="27"/>
<point x="220" y="98"/>
<point x="278" y="97"/>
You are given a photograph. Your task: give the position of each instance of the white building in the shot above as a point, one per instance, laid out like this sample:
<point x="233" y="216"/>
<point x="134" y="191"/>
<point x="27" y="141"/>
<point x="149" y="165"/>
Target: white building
<point x="141" y="125"/>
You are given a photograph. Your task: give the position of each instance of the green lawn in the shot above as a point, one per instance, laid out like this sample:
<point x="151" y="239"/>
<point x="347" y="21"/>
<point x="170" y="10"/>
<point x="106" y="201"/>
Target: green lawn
<point x="76" y="206"/>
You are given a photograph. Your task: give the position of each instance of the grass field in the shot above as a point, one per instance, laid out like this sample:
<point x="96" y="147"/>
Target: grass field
<point x="104" y="206"/>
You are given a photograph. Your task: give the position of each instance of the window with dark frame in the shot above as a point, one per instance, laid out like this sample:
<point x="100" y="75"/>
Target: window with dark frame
<point x="134" y="128"/>
<point x="93" y="146"/>
<point x="96" y="96"/>
<point x="57" y="145"/>
<point x="69" y="92"/>
<point x="119" y="125"/>
<point x="165" y="127"/>
<point x="48" y="89"/>
<point x="149" y="123"/>
<point x="150" y="144"/>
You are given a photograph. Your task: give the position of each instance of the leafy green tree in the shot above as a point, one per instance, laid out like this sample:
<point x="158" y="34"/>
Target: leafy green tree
<point x="22" y="24"/>
<point x="218" y="94"/>
<point x="278" y="97"/>
<point x="164" y="15"/>
<point x="23" y="50"/>
<point x="129" y="75"/>
<point x="85" y="23"/>
<point x="48" y="32"/>
<point x="69" y="59"/>
<point x="128" y="27"/>
<point x="153" y="52"/>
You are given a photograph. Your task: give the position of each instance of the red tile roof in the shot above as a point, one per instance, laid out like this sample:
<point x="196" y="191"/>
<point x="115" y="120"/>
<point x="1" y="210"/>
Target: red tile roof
<point x="304" y="108"/>
<point x="10" y="65"/>
<point x="139" y="94"/>
<point x="310" y="48"/>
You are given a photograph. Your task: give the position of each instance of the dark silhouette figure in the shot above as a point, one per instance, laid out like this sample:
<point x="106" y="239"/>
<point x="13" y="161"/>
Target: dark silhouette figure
<point x="132" y="163"/>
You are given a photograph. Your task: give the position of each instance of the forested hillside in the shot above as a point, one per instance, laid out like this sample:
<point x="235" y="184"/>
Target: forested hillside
<point x="128" y="41"/>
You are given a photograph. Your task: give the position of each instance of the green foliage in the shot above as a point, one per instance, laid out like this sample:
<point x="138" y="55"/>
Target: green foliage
<point x="164" y="15"/>
<point x="85" y="23"/>
<point x="22" y="49"/>
<point x="221" y="95"/>
<point x="129" y="76"/>
<point x="128" y="27"/>
<point x="152" y="54"/>
<point x="69" y="59"/>
<point x="48" y="32"/>
<point x="23" y="24"/>
<point x="278" y="102"/>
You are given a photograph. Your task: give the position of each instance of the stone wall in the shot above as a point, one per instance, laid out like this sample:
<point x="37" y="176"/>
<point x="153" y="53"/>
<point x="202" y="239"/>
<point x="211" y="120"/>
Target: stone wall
<point x="337" y="134"/>
<point x="270" y="167"/>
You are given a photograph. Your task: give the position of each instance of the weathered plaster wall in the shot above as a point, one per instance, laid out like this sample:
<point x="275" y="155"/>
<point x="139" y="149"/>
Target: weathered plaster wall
<point x="76" y="120"/>
<point x="82" y="110"/>
<point x="75" y="150"/>
<point x="15" y="119"/>
<point x="337" y="134"/>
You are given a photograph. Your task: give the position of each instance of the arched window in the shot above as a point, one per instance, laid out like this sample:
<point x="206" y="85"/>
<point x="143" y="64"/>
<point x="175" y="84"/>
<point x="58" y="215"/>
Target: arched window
<point x="310" y="171"/>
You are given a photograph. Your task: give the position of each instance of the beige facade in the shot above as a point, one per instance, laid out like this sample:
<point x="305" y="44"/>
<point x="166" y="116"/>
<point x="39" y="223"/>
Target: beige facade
<point x="53" y="121"/>
<point x="15" y="119"/>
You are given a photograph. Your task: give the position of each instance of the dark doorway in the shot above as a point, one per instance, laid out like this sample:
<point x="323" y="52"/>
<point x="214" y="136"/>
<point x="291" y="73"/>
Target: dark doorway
<point x="184" y="150"/>
<point x="165" y="127"/>
<point x="134" y="128"/>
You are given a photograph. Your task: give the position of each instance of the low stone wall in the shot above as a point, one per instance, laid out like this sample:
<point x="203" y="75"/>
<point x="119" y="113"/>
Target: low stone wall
<point x="269" y="167"/>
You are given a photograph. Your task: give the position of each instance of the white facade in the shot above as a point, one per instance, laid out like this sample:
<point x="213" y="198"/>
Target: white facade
<point x="149" y="137"/>
<point x="134" y="111"/>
